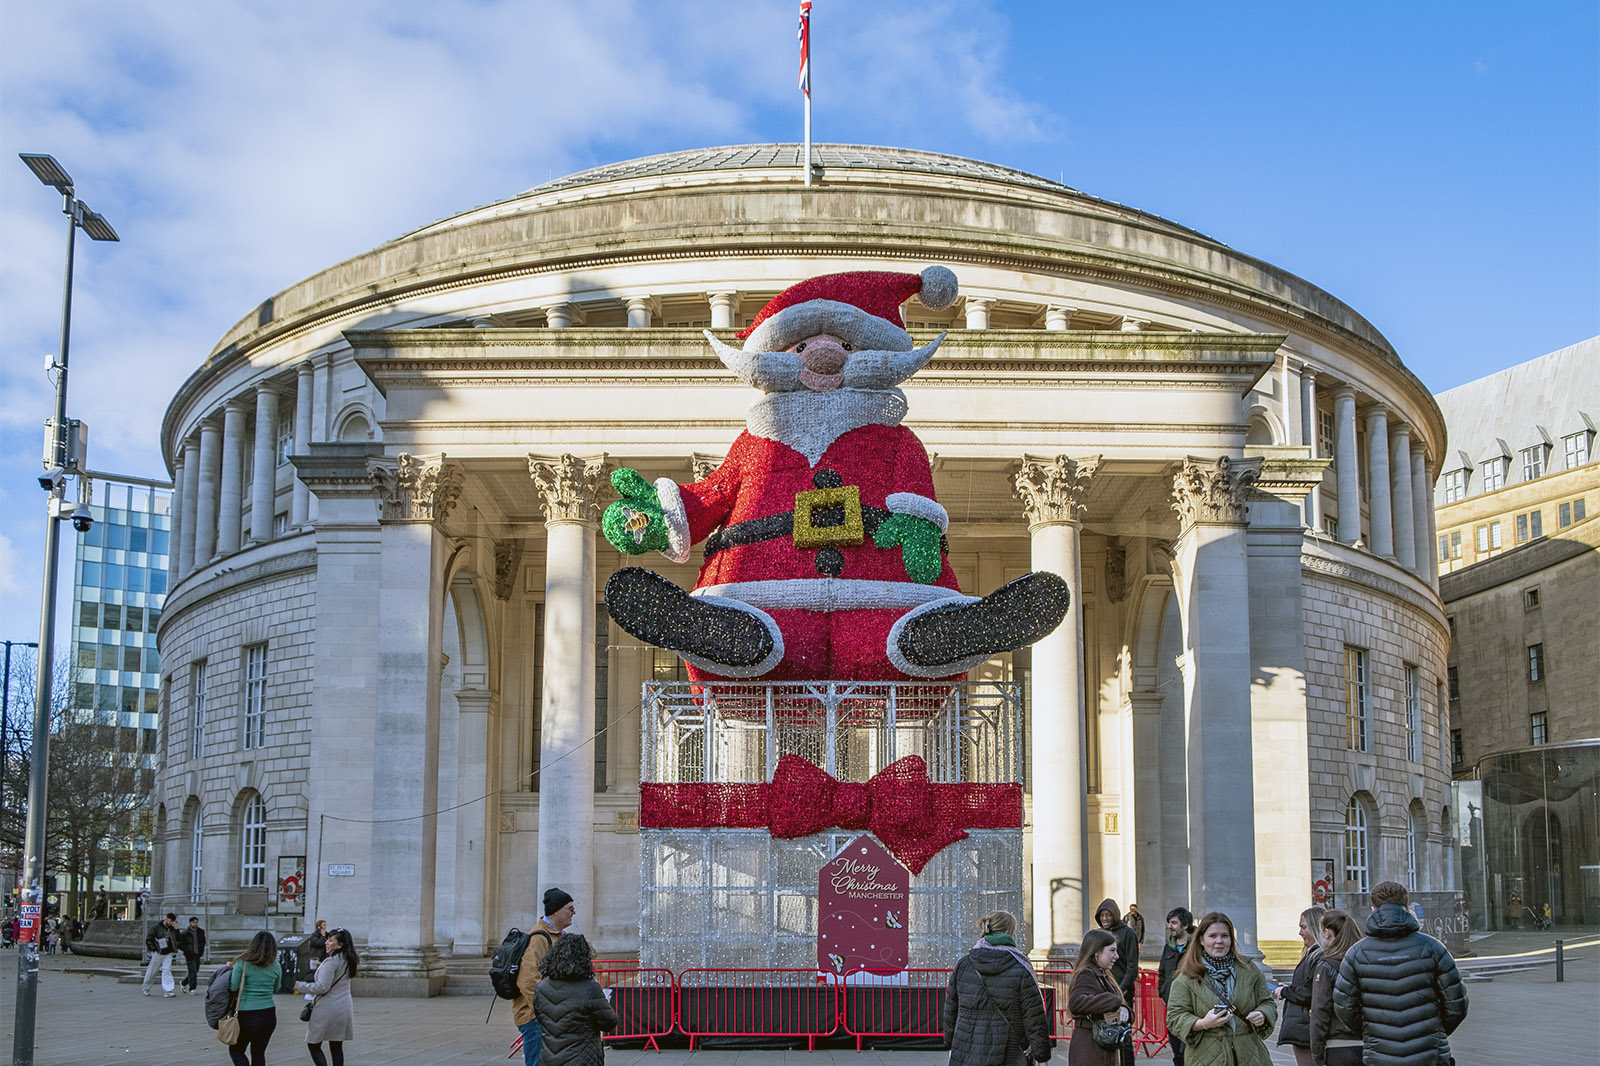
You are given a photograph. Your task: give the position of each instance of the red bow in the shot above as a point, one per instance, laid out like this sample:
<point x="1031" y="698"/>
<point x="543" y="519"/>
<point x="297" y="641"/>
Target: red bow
<point x="913" y="817"/>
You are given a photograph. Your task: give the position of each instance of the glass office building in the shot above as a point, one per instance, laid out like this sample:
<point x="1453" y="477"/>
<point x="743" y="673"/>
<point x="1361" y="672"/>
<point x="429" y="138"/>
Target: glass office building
<point x="119" y="584"/>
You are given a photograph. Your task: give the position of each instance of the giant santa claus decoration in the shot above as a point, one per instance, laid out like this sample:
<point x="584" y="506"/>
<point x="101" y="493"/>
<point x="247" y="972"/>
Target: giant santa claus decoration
<point x="825" y="556"/>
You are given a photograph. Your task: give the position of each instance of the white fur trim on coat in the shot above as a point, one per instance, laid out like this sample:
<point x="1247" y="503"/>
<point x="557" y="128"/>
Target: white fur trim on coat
<point x="845" y="321"/>
<point x="773" y="657"/>
<point x="677" y="519"/>
<point x="899" y="661"/>
<point x="830" y="593"/>
<point x="919" y="507"/>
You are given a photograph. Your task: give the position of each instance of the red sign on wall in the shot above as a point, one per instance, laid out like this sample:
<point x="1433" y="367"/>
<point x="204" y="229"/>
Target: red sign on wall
<point x="862" y="903"/>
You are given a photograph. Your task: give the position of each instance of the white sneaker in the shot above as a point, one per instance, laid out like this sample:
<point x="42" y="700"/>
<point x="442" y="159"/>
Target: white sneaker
<point x="172" y="995"/>
<point x="146" y="991"/>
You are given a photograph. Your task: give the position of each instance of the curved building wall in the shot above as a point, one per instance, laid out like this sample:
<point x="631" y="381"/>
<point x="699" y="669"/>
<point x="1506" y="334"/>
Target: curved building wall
<point x="397" y="560"/>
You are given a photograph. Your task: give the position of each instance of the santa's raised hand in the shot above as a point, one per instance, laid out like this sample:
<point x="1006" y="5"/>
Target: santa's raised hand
<point x="634" y="524"/>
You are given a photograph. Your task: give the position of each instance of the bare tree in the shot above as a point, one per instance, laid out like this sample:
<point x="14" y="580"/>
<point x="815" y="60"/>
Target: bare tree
<point x="97" y="788"/>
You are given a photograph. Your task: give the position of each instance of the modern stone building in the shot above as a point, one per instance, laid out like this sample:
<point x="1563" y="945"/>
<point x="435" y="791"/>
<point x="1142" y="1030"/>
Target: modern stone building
<point x="387" y="640"/>
<point x="1519" y="540"/>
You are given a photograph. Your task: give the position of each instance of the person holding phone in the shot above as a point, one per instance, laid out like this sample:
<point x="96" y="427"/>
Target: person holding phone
<point x="1219" y="1006"/>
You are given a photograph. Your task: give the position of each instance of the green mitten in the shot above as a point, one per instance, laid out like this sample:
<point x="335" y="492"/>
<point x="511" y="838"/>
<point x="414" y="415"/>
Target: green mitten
<point x="634" y="524"/>
<point x="919" y="545"/>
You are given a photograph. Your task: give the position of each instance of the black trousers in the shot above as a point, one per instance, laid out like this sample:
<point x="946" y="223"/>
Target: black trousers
<point x="255" y="1029"/>
<point x="192" y="981"/>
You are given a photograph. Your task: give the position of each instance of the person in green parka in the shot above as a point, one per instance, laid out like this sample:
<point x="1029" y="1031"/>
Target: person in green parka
<point x="1219" y="1006"/>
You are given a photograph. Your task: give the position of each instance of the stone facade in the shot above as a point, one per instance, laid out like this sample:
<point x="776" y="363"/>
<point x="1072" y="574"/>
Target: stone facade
<point x="1225" y="463"/>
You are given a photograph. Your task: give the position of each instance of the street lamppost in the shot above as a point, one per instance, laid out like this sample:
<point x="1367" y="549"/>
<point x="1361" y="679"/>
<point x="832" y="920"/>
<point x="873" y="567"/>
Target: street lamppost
<point x="58" y="463"/>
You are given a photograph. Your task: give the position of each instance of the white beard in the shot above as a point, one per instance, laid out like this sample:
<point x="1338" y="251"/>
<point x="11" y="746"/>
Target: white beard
<point x="809" y="421"/>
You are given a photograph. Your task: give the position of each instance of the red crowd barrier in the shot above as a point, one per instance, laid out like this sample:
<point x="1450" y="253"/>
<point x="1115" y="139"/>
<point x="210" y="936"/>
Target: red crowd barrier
<point x="1150" y="1020"/>
<point x="1060" y="1020"/>
<point x="646" y="1002"/>
<point x="768" y="1003"/>
<point x="913" y="1007"/>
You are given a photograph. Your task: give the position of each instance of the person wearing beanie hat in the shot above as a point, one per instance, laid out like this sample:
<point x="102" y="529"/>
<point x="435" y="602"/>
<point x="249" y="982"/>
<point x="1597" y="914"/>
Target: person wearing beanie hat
<point x="559" y="910"/>
<point x="825" y="556"/>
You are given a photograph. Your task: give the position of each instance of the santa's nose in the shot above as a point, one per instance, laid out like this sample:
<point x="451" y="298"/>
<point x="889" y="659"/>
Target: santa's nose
<point x="823" y="357"/>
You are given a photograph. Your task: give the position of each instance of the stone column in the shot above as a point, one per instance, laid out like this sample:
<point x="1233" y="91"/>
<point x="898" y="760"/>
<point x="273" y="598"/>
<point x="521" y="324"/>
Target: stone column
<point x="558" y="316"/>
<point x="205" y="519"/>
<point x="230" y="494"/>
<point x="1053" y="493"/>
<point x="1344" y="444"/>
<point x="722" y="309"/>
<point x="639" y="312"/>
<point x="570" y="489"/>
<point x="1422" y="516"/>
<point x="1405" y="530"/>
<point x="1058" y="317"/>
<point x="1380" y="515"/>
<point x="1212" y="578"/>
<point x="191" y="495"/>
<point x="264" y="482"/>
<point x="476" y="832"/>
<point x="175" y="537"/>
<point x="1278" y="719"/>
<point x="322" y="406"/>
<point x="415" y="494"/>
<point x="977" y="309"/>
<point x="1311" y="436"/>
<point x="300" y="502"/>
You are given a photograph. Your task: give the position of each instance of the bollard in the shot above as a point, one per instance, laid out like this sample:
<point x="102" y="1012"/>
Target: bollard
<point x="1561" y="962"/>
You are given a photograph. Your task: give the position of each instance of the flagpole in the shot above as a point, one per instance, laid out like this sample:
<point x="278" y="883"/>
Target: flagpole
<point x="808" y="139"/>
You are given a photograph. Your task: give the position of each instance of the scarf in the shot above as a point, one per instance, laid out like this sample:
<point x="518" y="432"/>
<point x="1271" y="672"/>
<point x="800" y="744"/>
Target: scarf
<point x="1004" y="942"/>
<point x="1219" y="975"/>
<point x="999" y="940"/>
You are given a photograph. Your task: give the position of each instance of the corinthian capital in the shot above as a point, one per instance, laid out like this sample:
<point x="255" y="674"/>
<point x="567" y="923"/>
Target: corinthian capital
<point x="1055" y="490"/>
<point x="415" y="488"/>
<point x="569" y="486"/>
<point x="1206" y="491"/>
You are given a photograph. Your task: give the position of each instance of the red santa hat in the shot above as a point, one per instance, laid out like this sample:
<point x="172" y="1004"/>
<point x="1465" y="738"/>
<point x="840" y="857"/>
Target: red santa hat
<point x="860" y="306"/>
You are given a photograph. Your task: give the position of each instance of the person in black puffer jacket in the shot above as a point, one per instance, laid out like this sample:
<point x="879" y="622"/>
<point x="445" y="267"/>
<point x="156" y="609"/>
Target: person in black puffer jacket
<point x="1399" y="987"/>
<point x="993" y="1010"/>
<point x="1296" y="995"/>
<point x="571" y="1007"/>
<point x="1332" y="1043"/>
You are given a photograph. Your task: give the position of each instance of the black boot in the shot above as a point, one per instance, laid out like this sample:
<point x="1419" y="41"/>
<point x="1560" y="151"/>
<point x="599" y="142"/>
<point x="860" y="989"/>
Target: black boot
<point x="1012" y="616"/>
<point x="658" y="612"/>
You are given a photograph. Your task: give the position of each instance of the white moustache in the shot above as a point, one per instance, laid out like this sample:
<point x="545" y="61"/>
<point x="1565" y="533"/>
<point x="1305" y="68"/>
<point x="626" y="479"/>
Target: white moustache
<point x="780" y="371"/>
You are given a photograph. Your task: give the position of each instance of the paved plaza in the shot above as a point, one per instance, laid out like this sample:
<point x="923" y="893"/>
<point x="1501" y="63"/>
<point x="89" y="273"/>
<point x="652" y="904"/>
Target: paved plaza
<point x="93" y="1020"/>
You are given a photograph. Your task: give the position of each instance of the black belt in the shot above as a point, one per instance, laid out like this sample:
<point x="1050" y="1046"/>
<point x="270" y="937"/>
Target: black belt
<point x="776" y="526"/>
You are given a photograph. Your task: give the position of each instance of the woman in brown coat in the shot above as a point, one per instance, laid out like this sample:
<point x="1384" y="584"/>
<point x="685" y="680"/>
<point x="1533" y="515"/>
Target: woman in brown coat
<point x="1093" y="994"/>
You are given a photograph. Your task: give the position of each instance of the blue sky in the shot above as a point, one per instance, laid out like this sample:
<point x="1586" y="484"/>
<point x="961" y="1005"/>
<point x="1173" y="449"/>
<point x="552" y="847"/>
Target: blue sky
<point x="1436" y="166"/>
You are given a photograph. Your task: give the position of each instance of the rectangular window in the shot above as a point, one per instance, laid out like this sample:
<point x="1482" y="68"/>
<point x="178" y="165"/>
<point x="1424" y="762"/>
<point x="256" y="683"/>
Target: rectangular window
<point x="280" y="523"/>
<point x="89" y="614"/>
<point x="1332" y="526"/>
<point x="1535" y="662"/>
<point x="1455" y="544"/>
<point x="1494" y="535"/>
<point x="1530" y="599"/>
<point x="253" y="845"/>
<point x="1577" y="449"/>
<point x="1564" y="515"/>
<point x="1483" y="539"/>
<point x="255" y="695"/>
<point x="197" y="710"/>
<point x="1325" y="434"/>
<point x="1457" y="756"/>
<point x="1454" y="678"/>
<point x="1533" y="462"/>
<point x="1413" y="712"/>
<point x="1494" y="475"/>
<point x="1444" y="547"/>
<point x="1355" y="679"/>
<point x="1455" y="486"/>
<point x="1530" y="526"/>
<point x="1539" y="729"/>
<point x="285" y="439"/>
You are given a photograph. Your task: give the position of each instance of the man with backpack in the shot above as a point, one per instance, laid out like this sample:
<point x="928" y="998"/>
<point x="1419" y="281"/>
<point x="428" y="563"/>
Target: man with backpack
<point x="162" y="943"/>
<point x="559" y="910"/>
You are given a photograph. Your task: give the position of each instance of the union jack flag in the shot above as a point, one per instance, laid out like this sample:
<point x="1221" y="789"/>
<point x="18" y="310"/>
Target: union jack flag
<point x="805" y="47"/>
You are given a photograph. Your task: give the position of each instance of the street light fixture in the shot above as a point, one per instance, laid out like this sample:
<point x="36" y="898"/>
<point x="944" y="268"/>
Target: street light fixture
<point x="31" y="889"/>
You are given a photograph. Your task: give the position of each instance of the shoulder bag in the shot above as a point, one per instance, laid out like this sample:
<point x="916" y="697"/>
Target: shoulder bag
<point x="228" y="1027"/>
<point x="1112" y="1035"/>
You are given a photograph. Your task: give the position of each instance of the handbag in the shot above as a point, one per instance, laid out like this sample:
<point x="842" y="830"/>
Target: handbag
<point x="305" y="1015"/>
<point x="1112" y="1035"/>
<point x="228" y="1029"/>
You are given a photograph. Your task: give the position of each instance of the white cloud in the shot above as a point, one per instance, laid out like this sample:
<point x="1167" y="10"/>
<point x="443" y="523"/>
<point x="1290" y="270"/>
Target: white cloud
<point x="8" y="566"/>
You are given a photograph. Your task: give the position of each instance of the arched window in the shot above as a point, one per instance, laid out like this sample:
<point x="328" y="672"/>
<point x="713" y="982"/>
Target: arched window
<point x="355" y="430"/>
<point x="197" y="843"/>
<point x="253" y="854"/>
<point x="1411" y="851"/>
<point x="1356" y="872"/>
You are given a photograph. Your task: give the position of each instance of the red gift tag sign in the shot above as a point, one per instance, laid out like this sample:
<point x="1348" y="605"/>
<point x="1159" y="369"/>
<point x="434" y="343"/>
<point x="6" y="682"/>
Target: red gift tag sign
<point x="863" y="897"/>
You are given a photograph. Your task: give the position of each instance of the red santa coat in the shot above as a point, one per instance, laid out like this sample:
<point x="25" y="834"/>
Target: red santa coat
<point x="831" y="626"/>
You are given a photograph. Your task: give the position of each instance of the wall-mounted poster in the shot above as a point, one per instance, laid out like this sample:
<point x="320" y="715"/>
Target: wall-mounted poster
<point x="862" y="898"/>
<point x="291" y="884"/>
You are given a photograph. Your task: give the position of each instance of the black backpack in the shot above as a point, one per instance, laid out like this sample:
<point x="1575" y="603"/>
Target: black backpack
<point x="507" y="961"/>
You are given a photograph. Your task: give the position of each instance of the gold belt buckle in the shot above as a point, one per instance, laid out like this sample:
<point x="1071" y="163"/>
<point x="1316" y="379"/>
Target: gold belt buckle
<point x="806" y="504"/>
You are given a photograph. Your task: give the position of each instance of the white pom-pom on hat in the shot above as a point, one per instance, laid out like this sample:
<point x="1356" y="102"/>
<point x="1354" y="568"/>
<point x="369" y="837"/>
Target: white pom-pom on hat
<point x="939" y="288"/>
